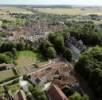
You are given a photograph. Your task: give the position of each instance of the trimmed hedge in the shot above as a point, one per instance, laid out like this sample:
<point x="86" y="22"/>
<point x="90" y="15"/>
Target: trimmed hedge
<point x="11" y="78"/>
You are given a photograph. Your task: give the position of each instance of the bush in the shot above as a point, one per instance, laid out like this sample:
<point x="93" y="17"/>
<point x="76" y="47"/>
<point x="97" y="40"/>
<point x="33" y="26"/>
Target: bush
<point x="51" y="53"/>
<point x="47" y="49"/>
<point x="89" y="67"/>
<point x="9" y="54"/>
<point x="14" y="70"/>
<point x="57" y="39"/>
<point x="7" y="46"/>
<point x="87" y="32"/>
<point x="5" y="59"/>
<point x="8" y="79"/>
<point x="14" y="52"/>
<point x="67" y="54"/>
<point x="38" y="93"/>
<point x="77" y="96"/>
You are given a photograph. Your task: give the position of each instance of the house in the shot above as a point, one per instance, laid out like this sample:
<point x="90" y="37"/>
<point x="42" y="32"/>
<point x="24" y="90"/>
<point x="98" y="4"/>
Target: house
<point x="23" y="84"/>
<point x="55" y="93"/>
<point x="77" y="88"/>
<point x="20" y="95"/>
<point x="39" y="80"/>
<point x="77" y="43"/>
<point x="1" y="98"/>
<point x="76" y="46"/>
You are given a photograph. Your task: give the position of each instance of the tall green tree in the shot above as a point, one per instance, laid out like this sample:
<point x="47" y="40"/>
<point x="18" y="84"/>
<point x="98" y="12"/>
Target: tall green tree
<point x="57" y="39"/>
<point x="77" y="96"/>
<point x="51" y="52"/>
<point x="4" y="59"/>
<point x="37" y="93"/>
<point x="67" y="54"/>
<point x="89" y="67"/>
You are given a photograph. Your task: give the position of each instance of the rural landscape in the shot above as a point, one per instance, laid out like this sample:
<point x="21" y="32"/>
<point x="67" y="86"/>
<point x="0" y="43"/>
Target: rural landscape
<point x="50" y="52"/>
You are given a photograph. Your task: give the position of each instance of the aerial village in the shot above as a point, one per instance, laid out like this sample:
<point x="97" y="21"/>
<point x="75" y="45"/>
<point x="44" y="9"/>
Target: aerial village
<point x="38" y="53"/>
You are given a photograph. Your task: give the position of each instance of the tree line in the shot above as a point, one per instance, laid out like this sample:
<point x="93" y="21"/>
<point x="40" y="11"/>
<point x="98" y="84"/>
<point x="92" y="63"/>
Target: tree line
<point x="89" y="67"/>
<point x="88" y="32"/>
<point x="54" y="45"/>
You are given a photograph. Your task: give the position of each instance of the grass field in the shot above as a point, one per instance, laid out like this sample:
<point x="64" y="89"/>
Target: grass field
<point x="1" y="90"/>
<point x="13" y="88"/>
<point x="6" y="74"/>
<point x="71" y="11"/>
<point x="27" y="58"/>
<point x="4" y="12"/>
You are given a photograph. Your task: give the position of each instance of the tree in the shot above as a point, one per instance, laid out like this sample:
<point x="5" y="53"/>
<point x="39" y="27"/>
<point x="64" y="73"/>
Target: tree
<point x="87" y="32"/>
<point x="81" y="66"/>
<point x="47" y="49"/>
<point x="59" y="43"/>
<point x="45" y="44"/>
<point x="9" y="54"/>
<point x="37" y="93"/>
<point x="52" y="37"/>
<point x="77" y="96"/>
<point x="89" y="67"/>
<point x="7" y="46"/>
<point x="57" y="39"/>
<point x="51" y="53"/>
<point x="14" y="52"/>
<point x="4" y="59"/>
<point x="20" y="46"/>
<point x="67" y="54"/>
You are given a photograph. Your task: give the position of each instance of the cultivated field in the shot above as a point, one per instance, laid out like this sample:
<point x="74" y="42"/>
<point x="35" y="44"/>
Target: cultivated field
<point x="71" y="11"/>
<point x="4" y="12"/>
<point x="6" y="74"/>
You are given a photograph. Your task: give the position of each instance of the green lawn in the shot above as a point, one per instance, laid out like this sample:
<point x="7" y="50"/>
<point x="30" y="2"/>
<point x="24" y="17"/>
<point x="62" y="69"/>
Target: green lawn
<point x="6" y="74"/>
<point x="13" y="88"/>
<point x="1" y="91"/>
<point x="27" y="58"/>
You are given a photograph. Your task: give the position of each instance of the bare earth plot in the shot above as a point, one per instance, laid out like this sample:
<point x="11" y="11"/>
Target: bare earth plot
<point x="27" y="58"/>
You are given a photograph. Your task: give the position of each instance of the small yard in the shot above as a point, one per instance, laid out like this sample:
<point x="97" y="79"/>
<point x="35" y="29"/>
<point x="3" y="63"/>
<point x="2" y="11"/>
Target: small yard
<point x="6" y="75"/>
<point x="27" y="58"/>
<point x="1" y="91"/>
<point x="13" y="88"/>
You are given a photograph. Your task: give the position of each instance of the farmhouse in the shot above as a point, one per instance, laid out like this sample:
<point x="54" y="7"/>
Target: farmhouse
<point x="1" y="98"/>
<point x="75" y="45"/>
<point x="20" y="95"/>
<point x="39" y="78"/>
<point x="55" y="93"/>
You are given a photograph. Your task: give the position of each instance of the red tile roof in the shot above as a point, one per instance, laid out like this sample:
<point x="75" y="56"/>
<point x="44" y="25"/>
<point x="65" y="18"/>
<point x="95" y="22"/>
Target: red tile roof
<point x="20" y="95"/>
<point x="55" y="93"/>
